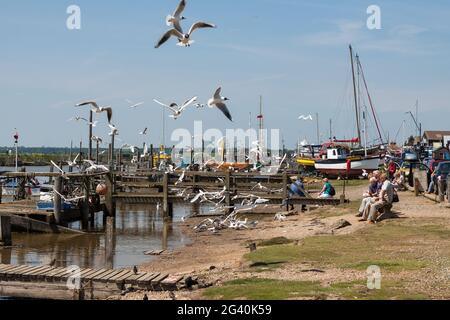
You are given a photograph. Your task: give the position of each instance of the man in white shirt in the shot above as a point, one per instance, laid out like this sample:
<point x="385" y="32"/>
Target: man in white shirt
<point x="385" y="198"/>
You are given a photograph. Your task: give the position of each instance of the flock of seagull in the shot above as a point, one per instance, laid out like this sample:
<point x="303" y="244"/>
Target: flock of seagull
<point x="184" y="39"/>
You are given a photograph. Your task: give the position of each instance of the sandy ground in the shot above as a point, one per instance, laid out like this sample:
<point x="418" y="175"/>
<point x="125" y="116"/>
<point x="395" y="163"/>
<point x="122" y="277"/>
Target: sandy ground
<point x="216" y="258"/>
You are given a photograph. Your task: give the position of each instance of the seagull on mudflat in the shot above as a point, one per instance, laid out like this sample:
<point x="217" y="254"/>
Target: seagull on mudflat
<point x="95" y="108"/>
<point x="218" y="101"/>
<point x="184" y="39"/>
<point x="175" y="108"/>
<point x="303" y="117"/>
<point x="174" y="19"/>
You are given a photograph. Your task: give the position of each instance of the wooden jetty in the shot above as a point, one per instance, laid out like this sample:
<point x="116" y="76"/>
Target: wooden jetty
<point x="46" y="282"/>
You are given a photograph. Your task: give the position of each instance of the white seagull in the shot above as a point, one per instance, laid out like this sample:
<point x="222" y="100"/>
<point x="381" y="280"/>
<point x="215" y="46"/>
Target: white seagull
<point x="134" y="105"/>
<point x="144" y="132"/>
<point x="95" y="108"/>
<point x="303" y="117"/>
<point x="174" y="19"/>
<point x="184" y="39"/>
<point x="97" y="139"/>
<point x="218" y="101"/>
<point x="175" y="108"/>
<point x="94" y="124"/>
<point x="74" y="162"/>
<point x="114" y="130"/>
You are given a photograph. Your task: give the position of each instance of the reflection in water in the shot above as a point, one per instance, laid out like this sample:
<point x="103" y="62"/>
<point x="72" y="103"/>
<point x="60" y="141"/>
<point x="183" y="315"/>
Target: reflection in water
<point x="139" y="228"/>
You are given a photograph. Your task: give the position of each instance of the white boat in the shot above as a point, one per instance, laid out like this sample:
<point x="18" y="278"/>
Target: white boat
<point x="337" y="163"/>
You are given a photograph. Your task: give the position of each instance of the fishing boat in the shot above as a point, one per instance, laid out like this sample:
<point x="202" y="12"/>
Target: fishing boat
<point x="339" y="163"/>
<point x="358" y="158"/>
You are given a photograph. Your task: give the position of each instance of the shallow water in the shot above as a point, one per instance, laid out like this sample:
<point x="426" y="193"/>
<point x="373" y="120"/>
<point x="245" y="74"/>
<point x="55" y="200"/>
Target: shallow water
<point x="139" y="228"/>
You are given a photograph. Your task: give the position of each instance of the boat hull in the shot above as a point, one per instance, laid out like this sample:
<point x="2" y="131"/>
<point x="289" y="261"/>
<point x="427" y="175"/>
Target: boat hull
<point x="341" y="168"/>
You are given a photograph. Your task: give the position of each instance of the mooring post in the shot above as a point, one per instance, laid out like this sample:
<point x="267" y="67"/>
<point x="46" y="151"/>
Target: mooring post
<point x="85" y="205"/>
<point x="416" y="187"/>
<point x="109" y="241"/>
<point x="110" y="204"/>
<point x="166" y="206"/>
<point x="1" y="191"/>
<point x="5" y="231"/>
<point x="448" y="189"/>
<point x="151" y="157"/>
<point x="58" y="187"/>
<point x="228" y="191"/>
<point x="441" y="184"/>
<point x="285" y="190"/>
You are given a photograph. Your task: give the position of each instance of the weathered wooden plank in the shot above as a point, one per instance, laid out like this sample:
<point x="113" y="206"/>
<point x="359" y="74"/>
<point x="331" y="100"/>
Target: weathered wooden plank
<point x="92" y="275"/>
<point x="104" y="274"/>
<point x="147" y="278"/>
<point x="50" y="274"/>
<point x="133" y="279"/>
<point x="42" y="274"/>
<point x="7" y="268"/>
<point x="111" y="275"/>
<point x="155" y="283"/>
<point x="18" y="270"/>
<point x="170" y="283"/>
<point x="124" y="276"/>
<point x="86" y="273"/>
<point x="119" y="275"/>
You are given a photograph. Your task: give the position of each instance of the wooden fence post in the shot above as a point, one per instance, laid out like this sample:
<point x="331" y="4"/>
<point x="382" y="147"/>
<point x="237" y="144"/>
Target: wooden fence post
<point x="109" y="241"/>
<point x="5" y="231"/>
<point x="416" y="187"/>
<point x="228" y="191"/>
<point x="285" y="190"/>
<point x="85" y="204"/>
<point x="167" y="207"/>
<point x="58" y="187"/>
<point x="448" y="188"/>
<point x="441" y="184"/>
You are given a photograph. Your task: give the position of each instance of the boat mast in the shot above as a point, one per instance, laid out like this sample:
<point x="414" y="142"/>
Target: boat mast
<point x="355" y="96"/>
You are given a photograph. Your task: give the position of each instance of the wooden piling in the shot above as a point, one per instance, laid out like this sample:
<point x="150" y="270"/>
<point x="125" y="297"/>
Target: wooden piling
<point x="416" y="187"/>
<point x="166" y="206"/>
<point x="228" y="191"/>
<point x="152" y="165"/>
<point x="1" y="191"/>
<point x="448" y="189"/>
<point x="441" y="184"/>
<point x="5" y="231"/>
<point x="109" y="198"/>
<point x="57" y="204"/>
<point x="285" y="190"/>
<point x="109" y="241"/>
<point x="85" y="205"/>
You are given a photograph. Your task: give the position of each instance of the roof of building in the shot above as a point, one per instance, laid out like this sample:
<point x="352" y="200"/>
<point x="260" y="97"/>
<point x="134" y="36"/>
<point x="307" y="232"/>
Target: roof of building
<point x="435" y="135"/>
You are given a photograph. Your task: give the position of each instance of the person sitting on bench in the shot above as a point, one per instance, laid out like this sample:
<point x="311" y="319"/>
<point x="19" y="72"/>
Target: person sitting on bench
<point x="384" y="201"/>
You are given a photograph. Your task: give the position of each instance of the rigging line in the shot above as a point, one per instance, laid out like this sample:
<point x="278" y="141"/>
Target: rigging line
<point x="370" y="101"/>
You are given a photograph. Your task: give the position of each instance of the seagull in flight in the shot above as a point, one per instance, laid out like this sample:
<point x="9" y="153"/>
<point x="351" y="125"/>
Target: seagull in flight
<point x="74" y="162"/>
<point x="218" y="101"/>
<point x="114" y="130"/>
<point x="95" y="108"/>
<point x="94" y="124"/>
<point x="144" y="132"/>
<point x="303" y="117"/>
<point x="184" y="39"/>
<point x="97" y="139"/>
<point x="174" y="19"/>
<point x="177" y="110"/>
<point x="134" y="105"/>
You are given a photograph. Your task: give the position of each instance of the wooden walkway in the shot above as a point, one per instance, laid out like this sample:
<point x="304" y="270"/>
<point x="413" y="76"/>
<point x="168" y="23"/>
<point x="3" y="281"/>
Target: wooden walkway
<point x="46" y="282"/>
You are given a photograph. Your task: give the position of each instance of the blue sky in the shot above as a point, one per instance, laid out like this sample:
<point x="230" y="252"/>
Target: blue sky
<point x="294" y="53"/>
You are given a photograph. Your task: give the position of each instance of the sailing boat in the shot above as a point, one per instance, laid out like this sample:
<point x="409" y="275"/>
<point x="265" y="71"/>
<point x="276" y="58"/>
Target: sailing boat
<point x="341" y="160"/>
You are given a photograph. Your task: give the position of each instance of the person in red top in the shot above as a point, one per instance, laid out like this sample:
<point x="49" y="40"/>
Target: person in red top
<point x="392" y="169"/>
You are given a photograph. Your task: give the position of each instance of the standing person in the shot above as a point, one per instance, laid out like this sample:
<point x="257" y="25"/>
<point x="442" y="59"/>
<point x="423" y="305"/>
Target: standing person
<point x="327" y="191"/>
<point x="385" y="198"/>
<point x="392" y="169"/>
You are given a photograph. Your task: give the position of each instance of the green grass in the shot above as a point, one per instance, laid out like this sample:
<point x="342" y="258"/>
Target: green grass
<point x="270" y="289"/>
<point x="274" y="241"/>
<point x="386" y="245"/>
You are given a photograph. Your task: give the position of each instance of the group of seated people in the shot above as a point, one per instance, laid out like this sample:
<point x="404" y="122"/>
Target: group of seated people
<point x="382" y="193"/>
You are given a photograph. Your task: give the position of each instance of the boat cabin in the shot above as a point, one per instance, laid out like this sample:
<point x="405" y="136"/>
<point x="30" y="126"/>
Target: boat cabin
<point x="336" y="154"/>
